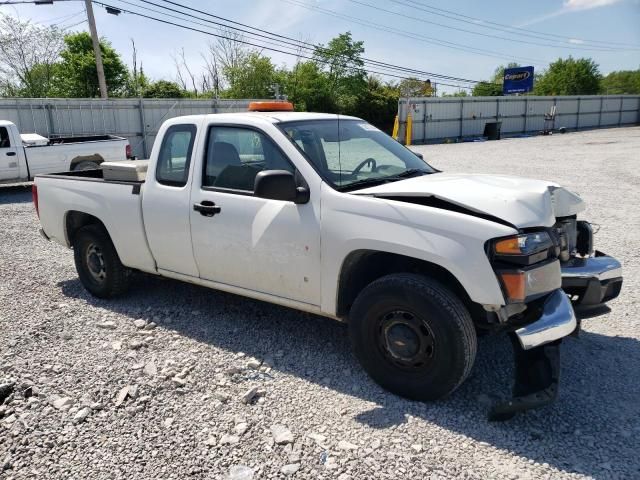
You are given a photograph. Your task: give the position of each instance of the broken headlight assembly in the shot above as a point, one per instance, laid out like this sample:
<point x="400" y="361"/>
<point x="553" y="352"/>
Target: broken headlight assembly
<point x="526" y="265"/>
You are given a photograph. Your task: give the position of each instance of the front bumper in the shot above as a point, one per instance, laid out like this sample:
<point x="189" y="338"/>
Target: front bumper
<point x="536" y="348"/>
<point x="592" y="281"/>
<point x="557" y="320"/>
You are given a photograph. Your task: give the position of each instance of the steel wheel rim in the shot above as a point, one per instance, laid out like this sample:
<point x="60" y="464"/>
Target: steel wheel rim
<point x="406" y="340"/>
<point x="95" y="263"/>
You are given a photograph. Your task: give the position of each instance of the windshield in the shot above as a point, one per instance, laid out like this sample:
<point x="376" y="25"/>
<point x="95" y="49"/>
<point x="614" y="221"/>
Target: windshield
<point x="352" y="154"/>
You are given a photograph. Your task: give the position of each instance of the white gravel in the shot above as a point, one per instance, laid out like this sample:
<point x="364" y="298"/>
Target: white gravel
<point x="225" y="387"/>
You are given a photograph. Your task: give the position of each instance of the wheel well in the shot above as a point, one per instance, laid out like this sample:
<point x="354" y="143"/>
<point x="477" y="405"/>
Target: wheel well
<point x="76" y="220"/>
<point x="363" y="267"/>
<point x="95" y="158"/>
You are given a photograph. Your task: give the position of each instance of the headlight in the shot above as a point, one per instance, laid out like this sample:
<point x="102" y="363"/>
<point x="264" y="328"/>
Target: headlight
<point x="525" y="249"/>
<point x="526" y="284"/>
<point x="525" y="244"/>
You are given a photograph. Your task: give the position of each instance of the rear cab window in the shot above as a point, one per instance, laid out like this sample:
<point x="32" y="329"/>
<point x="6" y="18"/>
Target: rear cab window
<point x="4" y="138"/>
<point x="174" y="158"/>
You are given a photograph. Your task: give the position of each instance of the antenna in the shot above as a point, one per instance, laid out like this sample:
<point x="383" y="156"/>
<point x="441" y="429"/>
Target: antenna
<point x="339" y="154"/>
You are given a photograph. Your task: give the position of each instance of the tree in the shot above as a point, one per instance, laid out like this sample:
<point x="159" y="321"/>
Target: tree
<point x="254" y="78"/>
<point x="76" y="75"/>
<point x="163" y="89"/>
<point x="414" y="87"/>
<point x="29" y="53"/>
<point x="225" y="58"/>
<point x="487" y="89"/>
<point x="342" y="60"/>
<point x="307" y="86"/>
<point x="621" y="82"/>
<point x="569" y="77"/>
<point x="493" y="87"/>
<point x="459" y="93"/>
<point x="378" y="103"/>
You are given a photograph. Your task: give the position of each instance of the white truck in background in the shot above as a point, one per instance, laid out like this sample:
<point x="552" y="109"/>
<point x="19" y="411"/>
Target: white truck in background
<point x="329" y="215"/>
<point x="23" y="156"/>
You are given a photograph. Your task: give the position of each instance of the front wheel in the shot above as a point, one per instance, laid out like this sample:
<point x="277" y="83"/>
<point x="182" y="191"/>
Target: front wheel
<point x="98" y="264"/>
<point x="413" y="336"/>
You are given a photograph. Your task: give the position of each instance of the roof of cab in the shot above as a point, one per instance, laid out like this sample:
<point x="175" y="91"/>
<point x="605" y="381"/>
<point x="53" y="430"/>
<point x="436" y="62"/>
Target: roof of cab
<point x="273" y="117"/>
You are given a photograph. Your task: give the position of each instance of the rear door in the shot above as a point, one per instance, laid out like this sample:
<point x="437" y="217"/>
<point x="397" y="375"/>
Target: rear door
<point x="165" y="203"/>
<point x="9" y="156"/>
<point x="268" y="246"/>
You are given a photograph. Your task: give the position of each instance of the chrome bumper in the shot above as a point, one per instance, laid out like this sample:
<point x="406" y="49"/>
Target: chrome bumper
<point x="557" y="321"/>
<point x="592" y="280"/>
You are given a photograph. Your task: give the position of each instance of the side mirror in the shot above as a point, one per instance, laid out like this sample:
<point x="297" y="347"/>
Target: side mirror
<point x="279" y="185"/>
<point x="419" y="155"/>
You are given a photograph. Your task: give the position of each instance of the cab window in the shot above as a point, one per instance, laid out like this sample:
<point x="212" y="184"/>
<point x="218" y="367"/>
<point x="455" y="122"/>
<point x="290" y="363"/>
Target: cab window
<point x="175" y="155"/>
<point x="4" y="138"/>
<point x="235" y="155"/>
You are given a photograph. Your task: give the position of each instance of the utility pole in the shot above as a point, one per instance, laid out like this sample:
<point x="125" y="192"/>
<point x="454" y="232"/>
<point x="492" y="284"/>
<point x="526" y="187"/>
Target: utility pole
<point x="102" y="83"/>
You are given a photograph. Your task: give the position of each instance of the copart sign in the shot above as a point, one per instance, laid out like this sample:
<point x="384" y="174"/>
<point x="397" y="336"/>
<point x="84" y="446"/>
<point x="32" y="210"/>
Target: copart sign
<point x="517" y="80"/>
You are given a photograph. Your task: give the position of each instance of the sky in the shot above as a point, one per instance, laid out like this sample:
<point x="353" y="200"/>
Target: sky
<point x="428" y="35"/>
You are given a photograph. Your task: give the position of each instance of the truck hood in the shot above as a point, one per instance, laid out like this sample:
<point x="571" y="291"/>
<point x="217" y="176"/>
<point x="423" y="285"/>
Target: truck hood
<point x="520" y="202"/>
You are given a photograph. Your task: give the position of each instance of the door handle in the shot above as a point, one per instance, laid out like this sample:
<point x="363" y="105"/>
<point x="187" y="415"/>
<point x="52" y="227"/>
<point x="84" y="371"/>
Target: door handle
<point x="11" y="154"/>
<point x="207" y="208"/>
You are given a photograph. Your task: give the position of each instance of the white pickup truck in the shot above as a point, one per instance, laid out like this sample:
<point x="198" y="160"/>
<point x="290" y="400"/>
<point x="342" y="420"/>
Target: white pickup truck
<point x="23" y="156"/>
<point x="329" y="215"/>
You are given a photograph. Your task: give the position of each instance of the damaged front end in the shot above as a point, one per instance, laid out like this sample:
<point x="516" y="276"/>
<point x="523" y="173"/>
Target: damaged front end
<point x="537" y="316"/>
<point x="589" y="277"/>
<point x="536" y="348"/>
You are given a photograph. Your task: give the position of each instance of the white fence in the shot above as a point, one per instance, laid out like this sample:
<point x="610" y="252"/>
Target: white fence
<point x="136" y="119"/>
<point x="436" y="119"/>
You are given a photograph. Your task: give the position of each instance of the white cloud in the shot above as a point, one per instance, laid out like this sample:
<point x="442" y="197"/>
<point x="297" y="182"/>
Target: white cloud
<point x="569" y="6"/>
<point x="587" y="4"/>
<point x="576" y="41"/>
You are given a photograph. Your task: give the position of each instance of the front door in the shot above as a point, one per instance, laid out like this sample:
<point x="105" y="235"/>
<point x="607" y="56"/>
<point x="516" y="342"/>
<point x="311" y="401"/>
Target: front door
<point x="9" y="157"/>
<point x="268" y="246"/>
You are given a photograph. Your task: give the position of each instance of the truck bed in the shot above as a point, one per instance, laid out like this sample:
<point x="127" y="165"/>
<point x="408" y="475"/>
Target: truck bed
<point x="118" y="205"/>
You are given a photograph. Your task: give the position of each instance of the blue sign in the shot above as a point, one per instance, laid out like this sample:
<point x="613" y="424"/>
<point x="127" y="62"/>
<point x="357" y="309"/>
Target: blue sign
<point x="517" y="80"/>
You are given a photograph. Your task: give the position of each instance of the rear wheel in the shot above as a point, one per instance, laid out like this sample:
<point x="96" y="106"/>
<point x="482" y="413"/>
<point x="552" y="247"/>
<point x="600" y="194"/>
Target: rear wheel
<point x="413" y="336"/>
<point x="98" y="264"/>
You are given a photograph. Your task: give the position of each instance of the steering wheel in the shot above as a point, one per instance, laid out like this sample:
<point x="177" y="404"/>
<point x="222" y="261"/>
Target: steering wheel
<point x="369" y="160"/>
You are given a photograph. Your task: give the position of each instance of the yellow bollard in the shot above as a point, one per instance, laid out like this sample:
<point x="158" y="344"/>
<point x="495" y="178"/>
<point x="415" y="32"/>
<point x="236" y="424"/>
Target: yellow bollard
<point x="396" y="127"/>
<point x="409" y="130"/>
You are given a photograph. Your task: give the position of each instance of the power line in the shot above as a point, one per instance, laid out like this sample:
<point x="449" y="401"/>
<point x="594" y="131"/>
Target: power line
<point x="60" y="19"/>
<point x="415" y="36"/>
<point x="290" y="41"/>
<point x="249" y="43"/>
<point x="478" y="22"/>
<point x="300" y="42"/>
<point x="67" y="27"/>
<point x="33" y="2"/>
<point x="423" y="20"/>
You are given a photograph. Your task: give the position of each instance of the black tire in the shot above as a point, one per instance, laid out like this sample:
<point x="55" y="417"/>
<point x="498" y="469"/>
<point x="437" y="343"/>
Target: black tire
<point x="86" y="165"/>
<point x="413" y="336"/>
<point x="98" y="264"/>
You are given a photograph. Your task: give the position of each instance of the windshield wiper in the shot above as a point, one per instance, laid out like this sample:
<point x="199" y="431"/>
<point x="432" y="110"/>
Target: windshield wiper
<point x="368" y="182"/>
<point x="371" y="182"/>
<point x="410" y="173"/>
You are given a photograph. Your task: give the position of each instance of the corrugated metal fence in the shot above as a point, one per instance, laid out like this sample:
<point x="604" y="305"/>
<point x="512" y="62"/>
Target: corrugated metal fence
<point x="136" y="119"/>
<point x="436" y="119"/>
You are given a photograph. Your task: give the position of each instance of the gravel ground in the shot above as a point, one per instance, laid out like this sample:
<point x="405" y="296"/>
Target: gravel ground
<point x="176" y="381"/>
